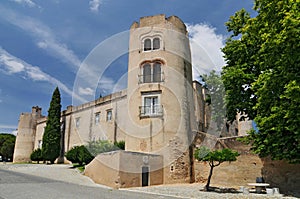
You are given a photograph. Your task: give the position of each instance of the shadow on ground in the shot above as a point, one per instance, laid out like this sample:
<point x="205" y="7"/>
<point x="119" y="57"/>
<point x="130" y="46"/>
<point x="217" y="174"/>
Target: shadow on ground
<point x="221" y="190"/>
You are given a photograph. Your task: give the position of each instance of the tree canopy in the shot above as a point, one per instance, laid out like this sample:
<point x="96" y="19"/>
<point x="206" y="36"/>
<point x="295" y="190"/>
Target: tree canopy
<point x="214" y="84"/>
<point x="214" y="158"/>
<point x="262" y="76"/>
<point x="51" y="138"/>
<point x="7" y="145"/>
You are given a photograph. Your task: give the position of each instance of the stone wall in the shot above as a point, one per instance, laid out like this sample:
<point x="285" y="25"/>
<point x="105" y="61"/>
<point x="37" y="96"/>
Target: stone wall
<point x="283" y="175"/>
<point x="231" y="174"/>
<point x="249" y="166"/>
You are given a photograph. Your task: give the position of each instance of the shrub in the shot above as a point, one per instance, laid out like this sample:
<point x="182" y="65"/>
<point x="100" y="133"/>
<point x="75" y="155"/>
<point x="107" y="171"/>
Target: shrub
<point x="80" y="155"/>
<point x="100" y="146"/>
<point x="120" y="144"/>
<point x="36" y="155"/>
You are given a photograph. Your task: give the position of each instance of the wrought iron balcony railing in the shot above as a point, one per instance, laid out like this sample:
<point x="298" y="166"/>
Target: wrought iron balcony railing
<point x="151" y="78"/>
<point x="151" y="111"/>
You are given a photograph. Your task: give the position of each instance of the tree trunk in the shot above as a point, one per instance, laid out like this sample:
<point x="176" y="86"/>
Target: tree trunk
<point x="209" y="177"/>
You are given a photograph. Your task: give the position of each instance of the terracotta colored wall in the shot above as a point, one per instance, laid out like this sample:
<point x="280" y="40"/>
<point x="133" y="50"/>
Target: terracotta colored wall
<point x="234" y="174"/>
<point x="283" y="175"/>
<point x="248" y="166"/>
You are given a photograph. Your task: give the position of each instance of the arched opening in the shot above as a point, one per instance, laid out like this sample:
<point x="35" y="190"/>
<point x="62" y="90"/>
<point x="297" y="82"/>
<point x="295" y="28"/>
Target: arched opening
<point x="147" y="44"/>
<point x="156" y="43"/>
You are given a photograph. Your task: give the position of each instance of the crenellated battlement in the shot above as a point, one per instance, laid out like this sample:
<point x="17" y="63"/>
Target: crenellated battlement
<point x="172" y="22"/>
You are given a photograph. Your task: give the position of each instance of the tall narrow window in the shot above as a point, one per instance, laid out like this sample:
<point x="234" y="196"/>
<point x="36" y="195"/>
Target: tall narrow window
<point x="147" y="45"/>
<point x="109" y="115"/>
<point x="156" y="43"/>
<point x="77" y="122"/>
<point x="97" y="118"/>
<point x="40" y="143"/>
<point x="156" y="72"/>
<point x="147" y="73"/>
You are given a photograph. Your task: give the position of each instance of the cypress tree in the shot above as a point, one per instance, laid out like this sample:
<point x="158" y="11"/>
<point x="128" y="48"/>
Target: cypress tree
<point x="51" y="138"/>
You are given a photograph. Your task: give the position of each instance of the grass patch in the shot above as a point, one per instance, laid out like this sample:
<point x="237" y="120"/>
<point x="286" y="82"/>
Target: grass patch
<point x="79" y="167"/>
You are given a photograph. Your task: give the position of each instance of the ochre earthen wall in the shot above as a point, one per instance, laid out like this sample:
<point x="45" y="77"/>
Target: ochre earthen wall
<point x="247" y="167"/>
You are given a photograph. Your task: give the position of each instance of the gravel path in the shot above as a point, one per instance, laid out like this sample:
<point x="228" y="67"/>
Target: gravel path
<point x="66" y="173"/>
<point x="192" y="191"/>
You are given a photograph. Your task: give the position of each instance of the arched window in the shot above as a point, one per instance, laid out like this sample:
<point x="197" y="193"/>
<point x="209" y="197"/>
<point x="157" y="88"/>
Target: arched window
<point x="151" y="44"/>
<point x="156" y="43"/>
<point x="151" y="72"/>
<point x="147" y="45"/>
<point x="157" y="72"/>
<point x="146" y="73"/>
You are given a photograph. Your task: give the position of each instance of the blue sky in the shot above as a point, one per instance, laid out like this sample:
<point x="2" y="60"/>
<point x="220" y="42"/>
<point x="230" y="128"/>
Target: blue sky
<point x="43" y="43"/>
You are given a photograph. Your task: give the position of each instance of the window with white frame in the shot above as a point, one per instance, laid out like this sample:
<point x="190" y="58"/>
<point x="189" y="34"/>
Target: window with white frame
<point x="147" y="44"/>
<point x="151" y="105"/>
<point x="156" y="43"/>
<point x="109" y="115"/>
<point x="97" y="118"/>
<point x="151" y="44"/>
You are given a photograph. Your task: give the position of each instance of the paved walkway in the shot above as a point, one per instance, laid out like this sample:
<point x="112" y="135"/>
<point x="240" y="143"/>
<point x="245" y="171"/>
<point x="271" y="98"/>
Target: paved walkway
<point x="66" y="173"/>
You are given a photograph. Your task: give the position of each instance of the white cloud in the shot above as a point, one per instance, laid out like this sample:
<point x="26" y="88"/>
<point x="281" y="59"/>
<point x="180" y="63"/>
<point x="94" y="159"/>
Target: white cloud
<point x="26" y="2"/>
<point x="46" y="39"/>
<point x="32" y="72"/>
<point x="44" y="36"/>
<point x="206" y="48"/>
<point x="85" y="91"/>
<point x="11" y="65"/>
<point x="36" y="74"/>
<point x="94" y="5"/>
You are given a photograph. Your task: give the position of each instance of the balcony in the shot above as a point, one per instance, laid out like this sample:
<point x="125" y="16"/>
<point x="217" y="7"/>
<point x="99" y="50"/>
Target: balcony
<point x="151" y="111"/>
<point x="152" y="78"/>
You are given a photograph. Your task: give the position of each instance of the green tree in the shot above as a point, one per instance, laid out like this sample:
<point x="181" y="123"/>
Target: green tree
<point x="214" y="84"/>
<point x="214" y="158"/>
<point x="7" y="145"/>
<point x="262" y="76"/>
<point x="51" y="138"/>
<point x="80" y="155"/>
<point x="36" y="155"/>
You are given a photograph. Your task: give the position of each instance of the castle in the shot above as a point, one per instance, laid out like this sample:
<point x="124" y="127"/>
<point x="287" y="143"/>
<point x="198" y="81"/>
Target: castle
<point x="157" y="116"/>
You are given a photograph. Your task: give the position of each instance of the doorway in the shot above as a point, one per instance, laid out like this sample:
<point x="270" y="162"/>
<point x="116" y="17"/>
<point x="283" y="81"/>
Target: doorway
<point x="145" y="176"/>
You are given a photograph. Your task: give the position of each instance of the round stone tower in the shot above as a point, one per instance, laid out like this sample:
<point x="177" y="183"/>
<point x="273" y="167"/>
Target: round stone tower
<point x="159" y="94"/>
<point x="26" y="135"/>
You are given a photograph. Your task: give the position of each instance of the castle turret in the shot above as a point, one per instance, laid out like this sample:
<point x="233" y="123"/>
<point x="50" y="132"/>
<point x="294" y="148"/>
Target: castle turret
<point x="26" y="135"/>
<point x="159" y="94"/>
